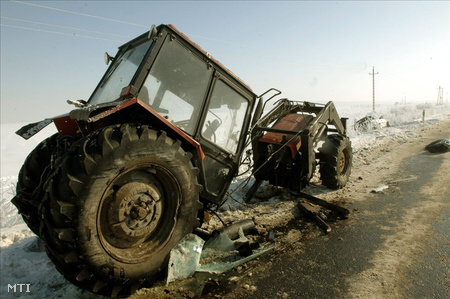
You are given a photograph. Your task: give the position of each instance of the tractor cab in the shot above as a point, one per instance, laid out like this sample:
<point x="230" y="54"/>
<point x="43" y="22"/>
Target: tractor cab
<point x="180" y="89"/>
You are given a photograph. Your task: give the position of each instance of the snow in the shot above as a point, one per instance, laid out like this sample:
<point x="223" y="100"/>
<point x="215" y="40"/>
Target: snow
<point x="23" y="258"/>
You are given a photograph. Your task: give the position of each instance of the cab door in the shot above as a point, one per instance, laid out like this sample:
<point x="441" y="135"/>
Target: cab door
<point x="222" y="135"/>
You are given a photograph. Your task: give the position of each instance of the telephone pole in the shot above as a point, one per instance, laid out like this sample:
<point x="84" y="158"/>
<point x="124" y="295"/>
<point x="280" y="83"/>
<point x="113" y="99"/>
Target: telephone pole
<point x="440" y="99"/>
<point x="373" y="83"/>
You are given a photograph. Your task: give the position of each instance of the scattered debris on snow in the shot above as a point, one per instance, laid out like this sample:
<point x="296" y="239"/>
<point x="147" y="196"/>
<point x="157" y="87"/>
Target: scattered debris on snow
<point x="370" y="122"/>
<point x="380" y="189"/>
<point x="226" y="248"/>
<point x="439" y="146"/>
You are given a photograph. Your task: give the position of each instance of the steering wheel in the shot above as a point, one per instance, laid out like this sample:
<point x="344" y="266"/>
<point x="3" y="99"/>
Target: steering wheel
<point x="210" y="131"/>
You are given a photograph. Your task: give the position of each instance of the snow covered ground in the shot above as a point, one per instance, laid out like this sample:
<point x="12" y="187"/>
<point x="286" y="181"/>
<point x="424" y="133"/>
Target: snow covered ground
<point x="24" y="263"/>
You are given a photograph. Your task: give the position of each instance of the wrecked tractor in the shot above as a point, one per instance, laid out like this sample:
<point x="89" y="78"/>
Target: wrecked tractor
<point x="132" y="170"/>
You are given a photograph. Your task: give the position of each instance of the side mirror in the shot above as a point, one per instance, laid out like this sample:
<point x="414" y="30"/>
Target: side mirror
<point x="108" y="58"/>
<point x="153" y="32"/>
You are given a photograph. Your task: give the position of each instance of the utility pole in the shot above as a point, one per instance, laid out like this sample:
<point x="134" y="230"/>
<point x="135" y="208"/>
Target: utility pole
<point x="440" y="99"/>
<point x="373" y="83"/>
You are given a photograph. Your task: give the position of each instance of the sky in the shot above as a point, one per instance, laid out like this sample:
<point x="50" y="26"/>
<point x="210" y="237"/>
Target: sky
<point x="52" y="51"/>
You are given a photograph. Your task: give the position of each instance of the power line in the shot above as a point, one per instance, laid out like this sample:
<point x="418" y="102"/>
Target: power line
<point x="78" y="13"/>
<point x="118" y="21"/>
<point x="139" y="25"/>
<point x="122" y="41"/>
<point x="64" y="27"/>
<point x="61" y="33"/>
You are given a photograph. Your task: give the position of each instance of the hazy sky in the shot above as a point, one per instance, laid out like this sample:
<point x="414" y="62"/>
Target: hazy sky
<point x="52" y="51"/>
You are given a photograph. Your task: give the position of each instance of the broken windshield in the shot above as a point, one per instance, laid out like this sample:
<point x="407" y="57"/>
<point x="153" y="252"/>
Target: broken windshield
<point x="120" y="74"/>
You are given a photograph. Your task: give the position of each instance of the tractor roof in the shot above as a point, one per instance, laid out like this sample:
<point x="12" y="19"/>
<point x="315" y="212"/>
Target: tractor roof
<point x="206" y="54"/>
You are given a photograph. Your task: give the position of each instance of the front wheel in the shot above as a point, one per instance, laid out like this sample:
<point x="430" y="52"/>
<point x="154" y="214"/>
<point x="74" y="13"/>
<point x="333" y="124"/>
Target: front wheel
<point x="335" y="161"/>
<point x="121" y="200"/>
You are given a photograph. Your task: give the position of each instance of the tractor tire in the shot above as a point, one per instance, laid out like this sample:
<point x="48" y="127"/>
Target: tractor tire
<point x="335" y="157"/>
<point x="120" y="200"/>
<point x="32" y="175"/>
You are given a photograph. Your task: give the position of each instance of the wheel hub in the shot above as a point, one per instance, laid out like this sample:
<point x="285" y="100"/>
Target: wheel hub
<point x="137" y="209"/>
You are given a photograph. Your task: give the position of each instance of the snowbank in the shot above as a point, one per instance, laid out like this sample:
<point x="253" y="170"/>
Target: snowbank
<point x="23" y="258"/>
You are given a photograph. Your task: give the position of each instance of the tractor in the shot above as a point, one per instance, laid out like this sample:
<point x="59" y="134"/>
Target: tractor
<point x="132" y="170"/>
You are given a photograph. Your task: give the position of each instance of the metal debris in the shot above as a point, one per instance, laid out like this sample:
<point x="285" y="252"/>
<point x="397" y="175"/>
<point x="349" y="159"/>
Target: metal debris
<point x="184" y="258"/>
<point x="343" y="212"/>
<point x="225" y="249"/>
<point x="369" y="123"/>
<point x="439" y="146"/>
<point x="314" y="213"/>
<point x="229" y="248"/>
<point x="380" y="189"/>
<point x="232" y="231"/>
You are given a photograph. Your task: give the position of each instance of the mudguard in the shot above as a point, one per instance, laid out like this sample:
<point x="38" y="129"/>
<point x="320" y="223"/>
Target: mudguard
<point x="28" y="131"/>
<point x="65" y="125"/>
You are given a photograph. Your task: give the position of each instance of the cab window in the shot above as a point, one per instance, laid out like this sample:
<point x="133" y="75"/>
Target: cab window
<point x="177" y="84"/>
<point x="225" y="117"/>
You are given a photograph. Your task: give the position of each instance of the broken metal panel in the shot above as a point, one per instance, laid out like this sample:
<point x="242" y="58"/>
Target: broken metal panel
<point x="28" y="131"/>
<point x="184" y="258"/>
<point x="226" y="249"/>
<point x="226" y="263"/>
<point x="220" y="254"/>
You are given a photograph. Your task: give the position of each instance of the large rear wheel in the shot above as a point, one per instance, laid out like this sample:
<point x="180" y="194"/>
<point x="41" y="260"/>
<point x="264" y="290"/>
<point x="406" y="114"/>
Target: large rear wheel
<point x="120" y="201"/>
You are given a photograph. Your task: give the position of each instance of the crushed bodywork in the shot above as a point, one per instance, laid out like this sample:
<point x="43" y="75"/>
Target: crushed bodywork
<point x="369" y="123"/>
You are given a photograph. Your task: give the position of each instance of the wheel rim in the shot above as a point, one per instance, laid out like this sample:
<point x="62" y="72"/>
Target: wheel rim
<point x="138" y="212"/>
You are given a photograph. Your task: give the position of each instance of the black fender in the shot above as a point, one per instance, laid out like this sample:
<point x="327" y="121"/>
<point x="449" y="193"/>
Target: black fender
<point x="65" y="125"/>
